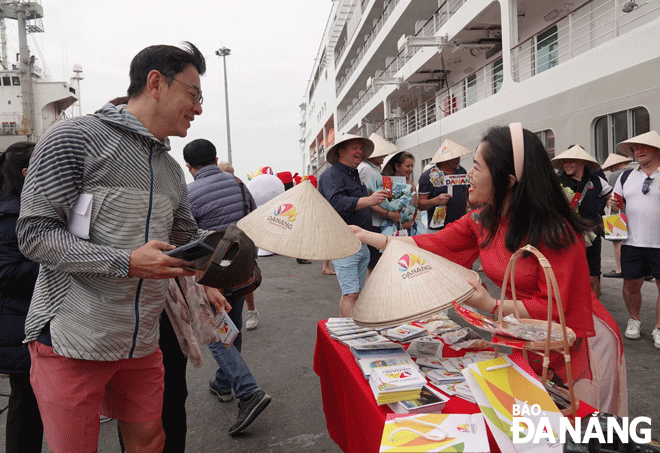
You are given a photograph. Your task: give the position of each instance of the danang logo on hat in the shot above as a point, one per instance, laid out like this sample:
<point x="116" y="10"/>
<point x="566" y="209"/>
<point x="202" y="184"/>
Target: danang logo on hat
<point x="283" y="217"/>
<point x="412" y="266"/>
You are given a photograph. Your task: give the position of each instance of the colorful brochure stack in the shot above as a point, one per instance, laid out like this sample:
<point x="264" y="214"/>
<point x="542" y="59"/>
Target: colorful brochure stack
<point x="429" y="400"/>
<point x="396" y="383"/>
<point x="344" y="329"/>
<point x="405" y="333"/>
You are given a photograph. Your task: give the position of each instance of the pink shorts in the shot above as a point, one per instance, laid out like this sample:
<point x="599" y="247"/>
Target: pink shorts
<point x="72" y="393"/>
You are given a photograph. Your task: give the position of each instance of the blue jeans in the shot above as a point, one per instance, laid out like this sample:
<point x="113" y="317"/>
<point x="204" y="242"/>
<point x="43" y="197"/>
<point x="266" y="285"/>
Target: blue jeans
<point x="233" y="372"/>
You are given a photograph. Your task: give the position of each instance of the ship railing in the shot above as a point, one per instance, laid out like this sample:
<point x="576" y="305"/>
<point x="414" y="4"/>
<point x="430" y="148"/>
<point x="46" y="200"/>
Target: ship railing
<point x="476" y="86"/>
<point x="371" y="36"/>
<point x="10" y="123"/>
<point x="429" y="28"/>
<point x="591" y="24"/>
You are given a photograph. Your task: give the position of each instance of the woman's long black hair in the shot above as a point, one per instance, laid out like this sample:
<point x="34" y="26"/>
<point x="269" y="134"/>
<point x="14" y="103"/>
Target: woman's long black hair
<point x="539" y="211"/>
<point x="12" y="163"/>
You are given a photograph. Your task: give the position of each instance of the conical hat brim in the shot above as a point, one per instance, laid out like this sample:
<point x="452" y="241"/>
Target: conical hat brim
<point x="367" y="147"/>
<point x="410" y="283"/>
<point x="615" y="159"/>
<point x="300" y="223"/>
<point x="448" y="151"/>
<point x="388" y="165"/>
<point x="381" y="146"/>
<point x="576" y="153"/>
<point x="650" y="138"/>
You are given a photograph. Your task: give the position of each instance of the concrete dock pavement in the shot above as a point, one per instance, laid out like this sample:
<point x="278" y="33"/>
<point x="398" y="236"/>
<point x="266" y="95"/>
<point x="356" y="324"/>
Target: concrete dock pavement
<point x="291" y="300"/>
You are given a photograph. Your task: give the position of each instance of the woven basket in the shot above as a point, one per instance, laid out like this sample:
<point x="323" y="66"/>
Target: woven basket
<point x="568" y="336"/>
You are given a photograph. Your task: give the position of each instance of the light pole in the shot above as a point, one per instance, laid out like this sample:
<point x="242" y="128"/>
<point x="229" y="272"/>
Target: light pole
<point x="223" y="52"/>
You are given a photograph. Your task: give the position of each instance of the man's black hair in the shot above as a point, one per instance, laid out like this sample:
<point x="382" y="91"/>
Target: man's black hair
<point x="168" y="60"/>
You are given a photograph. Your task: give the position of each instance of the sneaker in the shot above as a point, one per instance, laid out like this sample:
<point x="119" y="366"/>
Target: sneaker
<point x="249" y="409"/>
<point x="223" y="396"/>
<point x="252" y="319"/>
<point x="656" y="337"/>
<point x="633" y="331"/>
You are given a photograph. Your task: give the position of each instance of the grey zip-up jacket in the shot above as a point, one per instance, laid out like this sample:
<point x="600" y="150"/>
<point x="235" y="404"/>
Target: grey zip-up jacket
<point x="96" y="311"/>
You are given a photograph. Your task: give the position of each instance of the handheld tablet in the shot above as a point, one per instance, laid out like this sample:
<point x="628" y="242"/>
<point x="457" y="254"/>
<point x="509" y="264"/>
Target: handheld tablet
<point x="191" y="251"/>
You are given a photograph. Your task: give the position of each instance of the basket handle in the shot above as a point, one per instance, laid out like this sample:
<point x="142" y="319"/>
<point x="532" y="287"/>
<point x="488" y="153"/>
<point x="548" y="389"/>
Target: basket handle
<point x="553" y="288"/>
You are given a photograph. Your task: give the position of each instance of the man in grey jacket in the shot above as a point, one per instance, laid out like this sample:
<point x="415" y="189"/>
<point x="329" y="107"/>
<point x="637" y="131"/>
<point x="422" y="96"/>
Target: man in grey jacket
<point x="102" y="201"/>
<point x="217" y="200"/>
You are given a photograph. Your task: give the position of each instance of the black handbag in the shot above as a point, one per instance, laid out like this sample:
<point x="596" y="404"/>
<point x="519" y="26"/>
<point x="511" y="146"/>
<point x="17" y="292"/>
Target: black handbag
<point x="233" y="266"/>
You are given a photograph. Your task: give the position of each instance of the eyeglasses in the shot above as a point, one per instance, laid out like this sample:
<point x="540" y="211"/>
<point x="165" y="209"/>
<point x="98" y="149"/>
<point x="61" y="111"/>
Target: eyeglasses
<point x="646" y="187"/>
<point x="198" y="97"/>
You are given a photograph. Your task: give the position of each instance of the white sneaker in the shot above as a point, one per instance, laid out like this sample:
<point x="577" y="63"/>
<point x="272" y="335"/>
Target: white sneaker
<point x="633" y="331"/>
<point x="252" y="319"/>
<point x="656" y="337"/>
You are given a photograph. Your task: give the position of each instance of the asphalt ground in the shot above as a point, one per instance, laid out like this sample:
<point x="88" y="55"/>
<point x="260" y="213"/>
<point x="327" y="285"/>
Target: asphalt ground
<point x="291" y="300"/>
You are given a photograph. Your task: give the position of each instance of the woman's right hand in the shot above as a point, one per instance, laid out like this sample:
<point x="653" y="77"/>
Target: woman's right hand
<point x="358" y="232"/>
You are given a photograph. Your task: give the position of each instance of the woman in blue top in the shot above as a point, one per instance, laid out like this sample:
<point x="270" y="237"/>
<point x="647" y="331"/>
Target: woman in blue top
<point x="17" y="278"/>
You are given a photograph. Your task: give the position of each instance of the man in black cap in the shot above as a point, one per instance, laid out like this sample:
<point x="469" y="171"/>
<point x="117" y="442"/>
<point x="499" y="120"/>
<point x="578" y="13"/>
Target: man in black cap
<point x="217" y="199"/>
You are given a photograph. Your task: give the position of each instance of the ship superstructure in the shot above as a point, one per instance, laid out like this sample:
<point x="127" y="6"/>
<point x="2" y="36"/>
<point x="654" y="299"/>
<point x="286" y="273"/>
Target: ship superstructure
<point x="29" y="102"/>
<point x="418" y="71"/>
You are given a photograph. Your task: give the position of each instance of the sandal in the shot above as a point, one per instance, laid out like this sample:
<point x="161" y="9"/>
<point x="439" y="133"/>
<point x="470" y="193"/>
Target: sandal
<point x="613" y="274"/>
<point x="328" y="272"/>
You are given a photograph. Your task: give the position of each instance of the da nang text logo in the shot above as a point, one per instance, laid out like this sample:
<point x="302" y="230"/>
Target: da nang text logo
<point x="283" y="216"/>
<point x="525" y="430"/>
<point x="412" y="266"/>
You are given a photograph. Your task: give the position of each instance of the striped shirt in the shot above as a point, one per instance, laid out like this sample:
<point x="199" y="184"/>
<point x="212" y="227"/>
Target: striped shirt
<point x="96" y="311"/>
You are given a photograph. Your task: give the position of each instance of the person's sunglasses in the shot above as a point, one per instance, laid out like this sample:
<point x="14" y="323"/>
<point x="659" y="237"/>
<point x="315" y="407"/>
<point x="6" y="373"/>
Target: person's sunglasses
<point x="198" y="97"/>
<point x="646" y="187"/>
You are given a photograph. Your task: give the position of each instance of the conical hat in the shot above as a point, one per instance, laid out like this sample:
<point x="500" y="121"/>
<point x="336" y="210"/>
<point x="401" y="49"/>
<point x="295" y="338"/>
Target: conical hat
<point x="388" y="165"/>
<point x="302" y="224"/>
<point x="615" y="159"/>
<point x="381" y="146"/>
<point x="264" y="188"/>
<point x="367" y="147"/>
<point x="448" y="151"/>
<point x="410" y="283"/>
<point x="576" y="152"/>
<point x="650" y="138"/>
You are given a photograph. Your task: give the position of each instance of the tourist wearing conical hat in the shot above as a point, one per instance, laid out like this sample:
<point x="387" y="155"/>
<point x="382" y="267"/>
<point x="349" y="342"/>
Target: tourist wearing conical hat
<point x="616" y="164"/>
<point x="443" y="204"/>
<point x="637" y="192"/>
<point x="368" y="169"/>
<point x="588" y="193"/>
<point x="341" y="186"/>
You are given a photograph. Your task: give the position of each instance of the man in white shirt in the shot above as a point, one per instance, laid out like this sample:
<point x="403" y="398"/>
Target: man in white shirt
<point x="367" y="169"/>
<point x="638" y="193"/>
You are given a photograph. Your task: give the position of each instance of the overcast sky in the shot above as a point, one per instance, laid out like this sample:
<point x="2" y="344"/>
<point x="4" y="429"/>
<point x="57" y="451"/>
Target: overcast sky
<point x="273" y="45"/>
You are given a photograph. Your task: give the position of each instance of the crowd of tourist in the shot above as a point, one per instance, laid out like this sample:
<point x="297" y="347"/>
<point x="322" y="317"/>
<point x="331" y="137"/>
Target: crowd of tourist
<point x="82" y="301"/>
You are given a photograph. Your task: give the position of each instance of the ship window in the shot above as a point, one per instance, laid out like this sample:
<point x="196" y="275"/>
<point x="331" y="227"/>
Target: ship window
<point x="547" y="137"/>
<point x="498" y="75"/>
<point x="6" y="81"/>
<point x="15" y="80"/>
<point x="425" y="162"/>
<point x="616" y="127"/>
<point x="547" y="49"/>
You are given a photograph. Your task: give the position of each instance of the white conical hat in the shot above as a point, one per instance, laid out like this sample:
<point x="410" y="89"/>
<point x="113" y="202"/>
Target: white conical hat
<point x="410" y="283"/>
<point x="264" y="188"/>
<point x="448" y="151"/>
<point x="615" y="159"/>
<point x="302" y="224"/>
<point x="381" y="146"/>
<point x="367" y="147"/>
<point x="576" y="152"/>
<point x="650" y="138"/>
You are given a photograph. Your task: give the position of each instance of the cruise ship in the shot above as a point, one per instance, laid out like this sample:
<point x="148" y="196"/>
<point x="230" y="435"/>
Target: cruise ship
<point x="29" y="101"/>
<point x="417" y="72"/>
